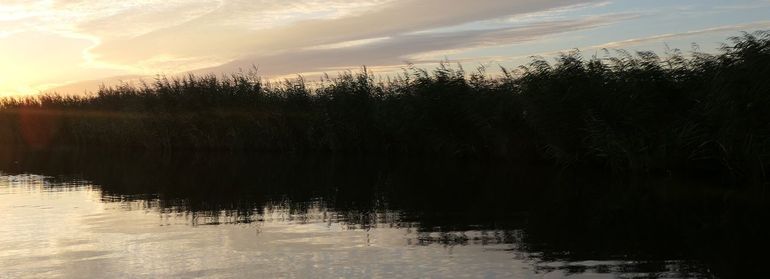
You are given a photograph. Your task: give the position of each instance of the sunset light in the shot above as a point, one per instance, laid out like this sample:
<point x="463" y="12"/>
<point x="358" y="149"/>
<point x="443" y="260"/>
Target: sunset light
<point x="384" y="138"/>
<point x="73" y="46"/>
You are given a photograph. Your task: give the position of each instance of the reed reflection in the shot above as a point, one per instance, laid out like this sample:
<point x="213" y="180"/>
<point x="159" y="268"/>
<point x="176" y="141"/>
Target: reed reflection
<point x="570" y="223"/>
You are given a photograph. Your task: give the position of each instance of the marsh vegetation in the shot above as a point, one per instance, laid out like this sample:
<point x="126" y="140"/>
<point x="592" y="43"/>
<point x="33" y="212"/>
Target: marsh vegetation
<point x="628" y="112"/>
<point x="600" y="165"/>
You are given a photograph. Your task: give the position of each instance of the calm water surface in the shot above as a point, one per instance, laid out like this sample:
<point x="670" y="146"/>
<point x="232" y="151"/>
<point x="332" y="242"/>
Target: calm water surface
<point x="153" y="217"/>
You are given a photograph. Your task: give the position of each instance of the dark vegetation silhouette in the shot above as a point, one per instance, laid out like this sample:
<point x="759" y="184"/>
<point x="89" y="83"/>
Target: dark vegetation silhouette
<point x="634" y="112"/>
<point x="631" y="112"/>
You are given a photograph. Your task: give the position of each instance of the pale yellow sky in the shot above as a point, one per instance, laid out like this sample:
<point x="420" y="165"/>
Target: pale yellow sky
<point x="73" y="45"/>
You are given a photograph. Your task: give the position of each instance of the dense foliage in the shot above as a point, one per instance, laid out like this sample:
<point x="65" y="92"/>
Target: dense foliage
<point x="628" y="112"/>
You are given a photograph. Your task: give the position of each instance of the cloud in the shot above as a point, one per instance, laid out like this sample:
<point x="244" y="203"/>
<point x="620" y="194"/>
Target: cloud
<point x="145" y="37"/>
<point x="135" y="20"/>
<point x="671" y="36"/>
<point x="215" y="34"/>
<point x="398" y="49"/>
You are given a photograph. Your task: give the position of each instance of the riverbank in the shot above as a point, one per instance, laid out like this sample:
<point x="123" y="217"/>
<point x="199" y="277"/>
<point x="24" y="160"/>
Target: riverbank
<point x="634" y="113"/>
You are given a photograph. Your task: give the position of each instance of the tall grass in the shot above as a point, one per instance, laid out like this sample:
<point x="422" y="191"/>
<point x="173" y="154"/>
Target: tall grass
<point x="627" y="112"/>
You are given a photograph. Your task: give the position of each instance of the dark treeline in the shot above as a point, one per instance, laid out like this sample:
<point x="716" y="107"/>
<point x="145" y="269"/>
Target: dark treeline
<point x="628" y="112"/>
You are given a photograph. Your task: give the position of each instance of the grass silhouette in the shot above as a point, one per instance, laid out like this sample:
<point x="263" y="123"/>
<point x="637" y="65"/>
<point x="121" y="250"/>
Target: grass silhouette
<point x="635" y="112"/>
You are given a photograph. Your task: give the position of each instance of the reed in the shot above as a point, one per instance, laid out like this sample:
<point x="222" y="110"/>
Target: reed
<point x="636" y="112"/>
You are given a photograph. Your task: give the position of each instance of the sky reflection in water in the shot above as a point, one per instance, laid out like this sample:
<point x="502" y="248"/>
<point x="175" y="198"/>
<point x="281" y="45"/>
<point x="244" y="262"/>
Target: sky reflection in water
<point x="60" y="228"/>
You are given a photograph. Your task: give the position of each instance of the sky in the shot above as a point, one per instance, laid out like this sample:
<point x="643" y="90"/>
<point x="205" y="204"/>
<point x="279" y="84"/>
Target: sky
<point x="73" y="46"/>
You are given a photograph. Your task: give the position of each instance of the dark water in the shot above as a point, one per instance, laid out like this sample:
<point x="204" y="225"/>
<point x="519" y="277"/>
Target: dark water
<point x="99" y="215"/>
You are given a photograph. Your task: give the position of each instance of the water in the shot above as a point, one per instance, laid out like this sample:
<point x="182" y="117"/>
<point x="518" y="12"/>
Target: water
<point x="97" y="216"/>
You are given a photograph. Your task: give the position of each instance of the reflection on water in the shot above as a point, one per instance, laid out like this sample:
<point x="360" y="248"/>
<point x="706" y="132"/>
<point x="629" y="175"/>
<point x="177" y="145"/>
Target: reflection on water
<point x="90" y="216"/>
<point x="74" y="232"/>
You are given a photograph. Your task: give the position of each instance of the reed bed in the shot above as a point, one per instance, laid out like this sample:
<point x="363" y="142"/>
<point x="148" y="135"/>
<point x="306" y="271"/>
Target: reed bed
<point x="637" y="112"/>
